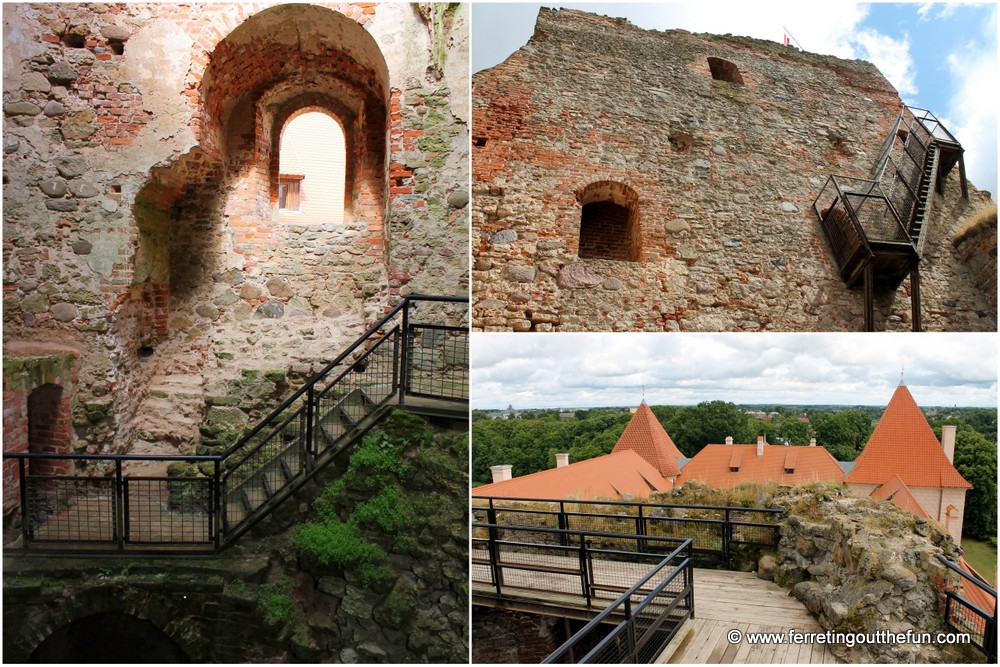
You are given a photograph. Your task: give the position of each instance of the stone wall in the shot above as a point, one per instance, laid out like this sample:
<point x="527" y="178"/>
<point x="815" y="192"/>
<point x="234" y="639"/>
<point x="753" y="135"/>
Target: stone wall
<point x="861" y="565"/>
<point x="504" y="636"/>
<point x="724" y="176"/>
<point x="976" y="245"/>
<point x="140" y="166"/>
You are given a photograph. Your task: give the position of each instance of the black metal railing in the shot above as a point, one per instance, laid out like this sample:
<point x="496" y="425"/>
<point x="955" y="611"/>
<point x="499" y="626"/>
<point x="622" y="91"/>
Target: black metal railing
<point x="649" y="619"/>
<point x="963" y="615"/>
<point x="419" y="349"/>
<point x="717" y="532"/>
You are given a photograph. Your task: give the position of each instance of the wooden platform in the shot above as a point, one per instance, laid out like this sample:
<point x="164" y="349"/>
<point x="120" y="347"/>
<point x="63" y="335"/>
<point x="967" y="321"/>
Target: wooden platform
<point x="723" y="601"/>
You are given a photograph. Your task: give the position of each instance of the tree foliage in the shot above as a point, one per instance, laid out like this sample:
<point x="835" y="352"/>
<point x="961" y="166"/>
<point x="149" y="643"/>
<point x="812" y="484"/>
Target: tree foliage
<point x="844" y="434"/>
<point x="976" y="461"/>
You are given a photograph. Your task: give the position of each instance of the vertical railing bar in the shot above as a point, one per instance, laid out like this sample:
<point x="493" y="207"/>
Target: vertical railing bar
<point x="215" y="509"/>
<point x="306" y="444"/>
<point x="404" y="358"/>
<point x="26" y="531"/>
<point x="118" y="507"/>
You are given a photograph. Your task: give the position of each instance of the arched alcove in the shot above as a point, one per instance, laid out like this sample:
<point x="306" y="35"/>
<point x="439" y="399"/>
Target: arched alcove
<point x="724" y="70"/>
<point x="212" y="238"/>
<point x="110" y="637"/>
<point x="609" y="222"/>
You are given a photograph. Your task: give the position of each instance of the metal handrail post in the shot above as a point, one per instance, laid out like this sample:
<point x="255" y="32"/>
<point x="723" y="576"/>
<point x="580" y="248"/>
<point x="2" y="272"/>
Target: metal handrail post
<point x="584" y="567"/>
<point x="726" y="539"/>
<point x="308" y="446"/>
<point x="216" y="506"/>
<point x="119" y="507"/>
<point x="630" y="632"/>
<point x="493" y="547"/>
<point x="23" y="486"/>
<point x="563" y="522"/>
<point x="404" y="357"/>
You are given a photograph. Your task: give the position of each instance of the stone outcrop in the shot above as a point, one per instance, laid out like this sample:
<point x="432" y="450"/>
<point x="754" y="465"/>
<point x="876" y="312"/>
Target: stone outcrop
<point x="861" y="565"/>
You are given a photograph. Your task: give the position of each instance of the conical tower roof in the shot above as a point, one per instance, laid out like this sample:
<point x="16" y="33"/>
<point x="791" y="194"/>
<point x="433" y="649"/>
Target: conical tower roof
<point x="646" y="437"/>
<point x="904" y="444"/>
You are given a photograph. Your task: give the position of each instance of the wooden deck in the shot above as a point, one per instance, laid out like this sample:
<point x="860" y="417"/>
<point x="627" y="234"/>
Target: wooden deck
<point x="723" y="601"/>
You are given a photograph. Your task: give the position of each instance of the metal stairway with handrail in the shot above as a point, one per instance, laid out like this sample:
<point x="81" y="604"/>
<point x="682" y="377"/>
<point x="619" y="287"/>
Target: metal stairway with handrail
<point x="415" y="358"/>
<point x="877" y="227"/>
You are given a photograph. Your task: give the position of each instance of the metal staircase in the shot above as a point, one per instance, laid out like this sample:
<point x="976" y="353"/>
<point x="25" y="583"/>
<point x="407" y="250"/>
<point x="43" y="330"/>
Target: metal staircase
<point x="415" y="358"/>
<point x="877" y="227"/>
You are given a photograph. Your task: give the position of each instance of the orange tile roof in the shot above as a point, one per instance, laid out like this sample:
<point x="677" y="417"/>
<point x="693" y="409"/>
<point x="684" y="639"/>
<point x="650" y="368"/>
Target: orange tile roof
<point x="646" y="436"/>
<point x="903" y="444"/>
<point x="973" y="593"/>
<point x="714" y="465"/>
<point x="614" y="476"/>
<point x="898" y="493"/>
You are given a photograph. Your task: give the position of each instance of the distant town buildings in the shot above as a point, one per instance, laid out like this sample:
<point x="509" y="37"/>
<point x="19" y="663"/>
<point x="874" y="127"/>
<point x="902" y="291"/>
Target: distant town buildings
<point x="902" y="462"/>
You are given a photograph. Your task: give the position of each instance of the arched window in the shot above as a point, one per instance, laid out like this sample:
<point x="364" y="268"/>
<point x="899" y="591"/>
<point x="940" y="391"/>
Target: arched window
<point x="609" y="222"/>
<point x="723" y="70"/>
<point x="312" y="164"/>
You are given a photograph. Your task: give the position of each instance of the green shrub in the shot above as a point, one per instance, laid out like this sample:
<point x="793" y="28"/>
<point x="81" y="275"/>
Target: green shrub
<point x="336" y="543"/>
<point x="277" y="606"/>
<point x="386" y="510"/>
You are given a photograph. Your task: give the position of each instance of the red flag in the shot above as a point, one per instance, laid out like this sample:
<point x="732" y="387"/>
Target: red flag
<point x="787" y="41"/>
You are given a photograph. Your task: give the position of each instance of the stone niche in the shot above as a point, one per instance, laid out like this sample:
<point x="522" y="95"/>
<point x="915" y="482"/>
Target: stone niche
<point x="141" y="183"/>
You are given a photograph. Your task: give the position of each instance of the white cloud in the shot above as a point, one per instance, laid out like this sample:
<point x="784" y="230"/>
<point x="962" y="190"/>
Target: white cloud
<point x="587" y="370"/>
<point x="891" y="56"/>
<point x="972" y="111"/>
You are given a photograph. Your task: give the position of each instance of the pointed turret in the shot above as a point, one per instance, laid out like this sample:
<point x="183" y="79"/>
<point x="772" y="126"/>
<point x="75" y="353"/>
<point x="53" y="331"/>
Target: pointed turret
<point x="646" y="437"/>
<point x="904" y="444"/>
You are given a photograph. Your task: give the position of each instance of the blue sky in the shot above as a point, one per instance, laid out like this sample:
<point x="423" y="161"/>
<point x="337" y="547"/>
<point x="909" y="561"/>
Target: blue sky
<point x="939" y="56"/>
<point x="593" y="369"/>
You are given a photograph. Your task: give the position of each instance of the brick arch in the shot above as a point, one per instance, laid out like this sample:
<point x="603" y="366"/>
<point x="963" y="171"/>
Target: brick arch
<point x="339" y="112"/>
<point x="276" y="62"/>
<point x="39" y="382"/>
<point x="610" y="225"/>
<point x="46" y="620"/>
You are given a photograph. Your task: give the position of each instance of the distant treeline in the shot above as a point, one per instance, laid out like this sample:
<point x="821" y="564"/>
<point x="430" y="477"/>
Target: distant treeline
<point x="529" y="440"/>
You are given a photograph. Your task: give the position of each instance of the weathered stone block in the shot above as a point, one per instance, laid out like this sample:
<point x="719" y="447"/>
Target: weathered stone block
<point x="520" y="273"/>
<point x="578" y="276"/>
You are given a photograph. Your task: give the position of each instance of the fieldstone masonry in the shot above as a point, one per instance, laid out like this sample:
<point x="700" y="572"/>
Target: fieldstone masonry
<point x="718" y="167"/>
<point x="140" y="192"/>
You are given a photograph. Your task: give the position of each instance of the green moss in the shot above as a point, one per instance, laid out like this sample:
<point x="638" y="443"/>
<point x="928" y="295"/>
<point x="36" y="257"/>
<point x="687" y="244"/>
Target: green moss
<point x="277" y="606"/>
<point x="434" y="144"/>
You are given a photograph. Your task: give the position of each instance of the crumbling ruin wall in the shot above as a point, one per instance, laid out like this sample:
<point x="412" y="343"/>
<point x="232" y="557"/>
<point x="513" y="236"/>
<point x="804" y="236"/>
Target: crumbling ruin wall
<point x="724" y="172"/>
<point x="862" y="565"/>
<point x="140" y="215"/>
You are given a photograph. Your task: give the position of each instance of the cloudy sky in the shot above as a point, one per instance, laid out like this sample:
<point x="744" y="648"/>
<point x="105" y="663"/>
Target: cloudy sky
<point x="593" y="370"/>
<point x="939" y="56"/>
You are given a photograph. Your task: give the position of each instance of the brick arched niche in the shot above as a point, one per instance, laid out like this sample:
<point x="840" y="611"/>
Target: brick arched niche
<point x="39" y="382"/>
<point x="609" y="222"/>
<point x="724" y="70"/>
<point x="208" y="224"/>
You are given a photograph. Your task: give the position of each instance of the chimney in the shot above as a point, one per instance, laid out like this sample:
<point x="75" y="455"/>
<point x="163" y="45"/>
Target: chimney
<point x="812" y="442"/>
<point x="760" y="446"/>
<point x="729" y="439"/>
<point x="562" y="460"/>
<point x="500" y="473"/>
<point x="948" y="441"/>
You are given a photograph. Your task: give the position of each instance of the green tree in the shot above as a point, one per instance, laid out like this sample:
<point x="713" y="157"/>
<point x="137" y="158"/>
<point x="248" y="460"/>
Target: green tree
<point x="843" y="434"/>
<point x="976" y="461"/>
<point x="792" y="431"/>
<point x="709" y="423"/>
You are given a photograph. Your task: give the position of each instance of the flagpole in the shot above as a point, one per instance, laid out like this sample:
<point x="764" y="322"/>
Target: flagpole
<point x="789" y="34"/>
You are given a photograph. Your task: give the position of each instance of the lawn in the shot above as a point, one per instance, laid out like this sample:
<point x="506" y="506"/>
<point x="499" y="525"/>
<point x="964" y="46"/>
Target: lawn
<point x="982" y="556"/>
